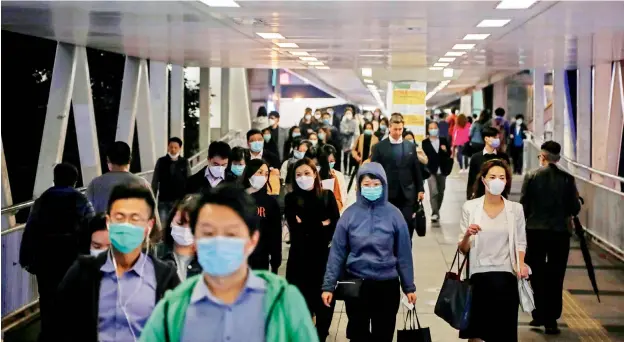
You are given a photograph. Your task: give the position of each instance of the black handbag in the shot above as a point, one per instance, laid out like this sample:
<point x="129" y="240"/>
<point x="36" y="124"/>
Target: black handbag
<point x="347" y="289"/>
<point x="453" y="304"/>
<point x="420" y="220"/>
<point x="413" y="333"/>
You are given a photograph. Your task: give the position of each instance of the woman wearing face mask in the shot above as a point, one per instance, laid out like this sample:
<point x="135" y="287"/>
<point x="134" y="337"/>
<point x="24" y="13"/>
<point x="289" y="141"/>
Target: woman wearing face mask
<point x="363" y="148"/>
<point x="372" y="243"/>
<point x="493" y="235"/>
<point x="299" y="152"/>
<point x="269" y="141"/>
<point x="236" y="164"/>
<point x="99" y="241"/>
<point x="349" y="130"/>
<point x="308" y="124"/>
<point x="269" y="248"/>
<point x="293" y="133"/>
<point x="179" y="241"/>
<point x="332" y="179"/>
<point x="311" y="213"/>
<point x="382" y="132"/>
<point x="313" y="138"/>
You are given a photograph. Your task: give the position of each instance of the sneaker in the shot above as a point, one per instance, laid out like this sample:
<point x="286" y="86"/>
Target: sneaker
<point x="435" y="218"/>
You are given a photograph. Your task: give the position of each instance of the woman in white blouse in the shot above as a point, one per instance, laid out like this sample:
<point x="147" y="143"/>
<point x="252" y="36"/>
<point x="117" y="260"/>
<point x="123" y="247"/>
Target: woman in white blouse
<point x="493" y="235"/>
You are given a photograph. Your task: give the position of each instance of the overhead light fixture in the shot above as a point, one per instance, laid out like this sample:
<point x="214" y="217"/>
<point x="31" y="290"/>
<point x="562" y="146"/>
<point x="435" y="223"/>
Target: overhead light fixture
<point x="493" y="22"/>
<point x="446" y="59"/>
<point x="440" y="64"/>
<point x="367" y="72"/>
<point x="309" y="59"/>
<point x="455" y="53"/>
<point x="270" y="35"/>
<point x="322" y="67"/>
<point x="448" y="72"/>
<point x="287" y="45"/>
<point x="220" y="3"/>
<point x="368" y="81"/>
<point x="515" y="4"/>
<point x="476" y="36"/>
<point x="436" y="68"/>
<point x="463" y="46"/>
<point x="315" y="63"/>
<point x="299" y="53"/>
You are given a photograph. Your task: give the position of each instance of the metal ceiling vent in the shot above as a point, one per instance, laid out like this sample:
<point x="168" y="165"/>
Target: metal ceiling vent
<point x="254" y="22"/>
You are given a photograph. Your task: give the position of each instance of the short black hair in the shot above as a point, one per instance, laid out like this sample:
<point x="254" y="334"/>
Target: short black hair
<point x="134" y="191"/>
<point x="274" y="114"/>
<point x="262" y="111"/>
<point x="499" y="112"/>
<point x="551" y="147"/>
<point x="97" y="223"/>
<point x="219" y="149"/>
<point x="65" y="174"/>
<point x="175" y="140"/>
<point x="519" y="116"/>
<point x="454" y="110"/>
<point x="490" y="132"/>
<point x="119" y="153"/>
<point x="237" y="154"/>
<point x="230" y="195"/>
<point x="252" y="132"/>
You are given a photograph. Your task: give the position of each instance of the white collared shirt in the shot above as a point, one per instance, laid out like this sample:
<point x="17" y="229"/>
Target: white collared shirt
<point x="258" y="156"/>
<point x="392" y="141"/>
<point x="486" y="152"/>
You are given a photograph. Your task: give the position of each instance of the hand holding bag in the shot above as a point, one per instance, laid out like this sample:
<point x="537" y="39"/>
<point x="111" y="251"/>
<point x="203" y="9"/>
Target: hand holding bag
<point x="420" y="220"/>
<point x="415" y="333"/>
<point x="453" y="304"/>
<point x="525" y="292"/>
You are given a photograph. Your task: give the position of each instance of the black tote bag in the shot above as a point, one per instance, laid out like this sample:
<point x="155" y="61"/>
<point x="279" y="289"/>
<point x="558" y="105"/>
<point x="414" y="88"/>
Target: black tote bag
<point x="420" y="220"/>
<point x="453" y="304"/>
<point x="413" y="333"/>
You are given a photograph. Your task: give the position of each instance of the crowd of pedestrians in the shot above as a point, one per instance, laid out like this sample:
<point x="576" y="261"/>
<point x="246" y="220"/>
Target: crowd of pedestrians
<point x="195" y="257"/>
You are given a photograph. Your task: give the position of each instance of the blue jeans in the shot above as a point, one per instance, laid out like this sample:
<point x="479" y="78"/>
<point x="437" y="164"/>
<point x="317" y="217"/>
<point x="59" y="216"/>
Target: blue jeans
<point x="461" y="158"/>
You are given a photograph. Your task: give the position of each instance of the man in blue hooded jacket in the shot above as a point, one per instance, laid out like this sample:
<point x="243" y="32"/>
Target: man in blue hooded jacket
<point x="372" y="236"/>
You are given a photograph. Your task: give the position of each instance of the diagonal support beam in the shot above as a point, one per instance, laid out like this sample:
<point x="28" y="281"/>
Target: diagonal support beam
<point x="145" y="122"/>
<point x="177" y="102"/>
<point x="159" y="89"/>
<point x="128" y="101"/>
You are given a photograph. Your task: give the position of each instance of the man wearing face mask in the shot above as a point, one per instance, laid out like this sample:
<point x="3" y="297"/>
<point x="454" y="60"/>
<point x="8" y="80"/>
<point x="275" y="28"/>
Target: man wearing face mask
<point x="229" y="302"/>
<point x="278" y="134"/>
<point x="350" y="131"/>
<point x="118" y="157"/>
<point x="255" y="140"/>
<point x="169" y="179"/>
<point x="111" y="296"/>
<point x="492" y="143"/>
<point x="214" y="173"/>
<point x="516" y="143"/>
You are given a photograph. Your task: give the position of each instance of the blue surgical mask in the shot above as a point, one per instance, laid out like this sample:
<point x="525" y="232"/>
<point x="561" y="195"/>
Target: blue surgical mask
<point x="296" y="134"/>
<point x="383" y="127"/>
<point x="332" y="164"/>
<point x="372" y="193"/>
<point x="495" y="142"/>
<point x="433" y="132"/>
<point x="321" y="136"/>
<point x="125" y="237"/>
<point x="368" y="132"/>
<point x="256" y="146"/>
<point x="237" y="169"/>
<point x="326" y="121"/>
<point x="267" y="137"/>
<point x="298" y="154"/>
<point x="220" y="256"/>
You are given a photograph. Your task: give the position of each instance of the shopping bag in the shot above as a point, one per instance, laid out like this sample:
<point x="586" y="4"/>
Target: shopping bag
<point x="412" y="331"/>
<point x="420" y="220"/>
<point x="453" y="304"/>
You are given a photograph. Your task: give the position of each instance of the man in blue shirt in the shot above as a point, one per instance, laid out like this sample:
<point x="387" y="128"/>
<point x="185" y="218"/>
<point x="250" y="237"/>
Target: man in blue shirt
<point x="111" y="296"/>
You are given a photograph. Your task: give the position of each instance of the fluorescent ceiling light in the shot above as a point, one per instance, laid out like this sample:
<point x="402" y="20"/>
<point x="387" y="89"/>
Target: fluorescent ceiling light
<point x="299" y="53"/>
<point x="448" y="72"/>
<point x="270" y="35"/>
<point x="476" y="36"/>
<point x="316" y="63"/>
<point x="455" y="53"/>
<point x="463" y="46"/>
<point x="446" y="59"/>
<point x="287" y="45"/>
<point x="493" y="22"/>
<point x="220" y="3"/>
<point x="322" y="67"/>
<point x="440" y="64"/>
<point x="436" y="68"/>
<point x="515" y="4"/>
<point x="309" y="59"/>
<point x="368" y="81"/>
<point x="367" y="72"/>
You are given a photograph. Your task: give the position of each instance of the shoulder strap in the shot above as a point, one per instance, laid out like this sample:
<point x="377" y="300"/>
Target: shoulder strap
<point x="166" y="321"/>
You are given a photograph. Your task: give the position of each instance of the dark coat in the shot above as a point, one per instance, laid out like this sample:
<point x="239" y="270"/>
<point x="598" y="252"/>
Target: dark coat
<point x="404" y="176"/>
<point x="438" y="160"/>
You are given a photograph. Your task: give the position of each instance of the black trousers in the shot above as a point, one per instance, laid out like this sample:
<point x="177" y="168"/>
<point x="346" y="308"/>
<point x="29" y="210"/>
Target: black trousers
<point x="407" y="209"/>
<point x="547" y="277"/>
<point x="372" y="316"/>
<point x="47" y="284"/>
<point x="323" y="313"/>
<point x="517" y="155"/>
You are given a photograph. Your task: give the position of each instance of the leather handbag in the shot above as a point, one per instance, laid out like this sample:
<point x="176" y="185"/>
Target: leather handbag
<point x="420" y="220"/>
<point x="453" y="304"/>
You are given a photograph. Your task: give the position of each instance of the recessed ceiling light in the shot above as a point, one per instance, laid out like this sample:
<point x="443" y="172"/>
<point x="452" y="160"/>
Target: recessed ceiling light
<point x="316" y="63"/>
<point x="463" y="46"/>
<point x="515" y="4"/>
<point x="493" y="22"/>
<point x="446" y="59"/>
<point x="309" y="59"/>
<point x="287" y="45"/>
<point x="368" y="81"/>
<point x="436" y="68"/>
<point x="270" y="35"/>
<point x="299" y="53"/>
<point x="476" y="36"/>
<point x="440" y="64"/>
<point x="448" y="72"/>
<point x="455" y="53"/>
<point x="367" y="72"/>
<point x="322" y="67"/>
<point x="220" y="3"/>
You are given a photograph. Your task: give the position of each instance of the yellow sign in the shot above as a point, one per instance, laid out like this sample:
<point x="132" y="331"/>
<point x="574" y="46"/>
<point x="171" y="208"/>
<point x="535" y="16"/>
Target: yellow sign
<point x="408" y="97"/>
<point x="414" y="119"/>
<point x="419" y="138"/>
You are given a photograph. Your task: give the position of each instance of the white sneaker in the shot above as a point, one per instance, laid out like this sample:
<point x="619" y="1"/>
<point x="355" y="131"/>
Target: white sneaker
<point x="435" y="218"/>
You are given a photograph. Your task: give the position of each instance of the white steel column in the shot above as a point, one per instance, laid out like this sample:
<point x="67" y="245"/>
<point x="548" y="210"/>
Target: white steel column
<point x="177" y="102"/>
<point x="145" y="121"/>
<point x="583" y="104"/>
<point x="239" y="108"/>
<point x="204" y="108"/>
<point x="57" y="113"/>
<point x="158" y="87"/>
<point x="559" y="112"/>
<point x="7" y="200"/>
<point x="226" y="96"/>
<point x="538" y="104"/>
<point x="128" y="102"/>
<point x="84" y="118"/>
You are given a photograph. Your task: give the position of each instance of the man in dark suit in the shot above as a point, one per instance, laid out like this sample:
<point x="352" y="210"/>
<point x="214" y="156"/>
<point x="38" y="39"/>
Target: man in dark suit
<point x="257" y="150"/>
<point x="279" y="135"/>
<point x="399" y="160"/>
<point x="214" y="173"/>
<point x="440" y="165"/>
<point x="516" y="143"/>
<point x="492" y="143"/>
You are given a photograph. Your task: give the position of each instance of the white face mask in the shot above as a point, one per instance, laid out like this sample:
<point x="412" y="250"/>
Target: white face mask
<point x="349" y="115"/>
<point x="305" y="182"/>
<point x="182" y="236"/>
<point x="496" y="186"/>
<point x="217" y="171"/>
<point x="519" y="121"/>
<point x="308" y="117"/>
<point x="314" y="142"/>
<point x="96" y="252"/>
<point x="174" y="156"/>
<point x="257" y="182"/>
<point x="271" y="122"/>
